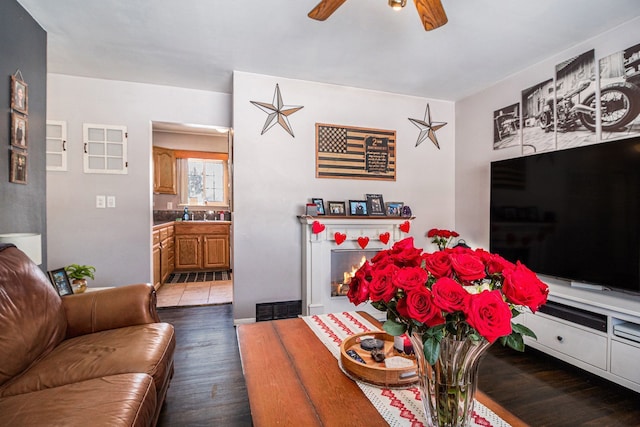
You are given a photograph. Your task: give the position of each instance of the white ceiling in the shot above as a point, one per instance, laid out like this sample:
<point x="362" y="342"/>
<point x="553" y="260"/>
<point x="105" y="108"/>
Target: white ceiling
<point x="198" y="43"/>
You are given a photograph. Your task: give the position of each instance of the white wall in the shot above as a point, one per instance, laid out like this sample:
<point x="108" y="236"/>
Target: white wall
<point x="274" y="175"/>
<point x="474" y="130"/>
<point x="116" y="241"/>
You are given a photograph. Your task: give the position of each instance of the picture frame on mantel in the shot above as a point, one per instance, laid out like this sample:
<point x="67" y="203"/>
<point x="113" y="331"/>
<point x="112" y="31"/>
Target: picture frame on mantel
<point x="358" y="208"/>
<point x="394" y="208"/>
<point x="375" y="205"/>
<point x="337" y="208"/>
<point x="320" y="204"/>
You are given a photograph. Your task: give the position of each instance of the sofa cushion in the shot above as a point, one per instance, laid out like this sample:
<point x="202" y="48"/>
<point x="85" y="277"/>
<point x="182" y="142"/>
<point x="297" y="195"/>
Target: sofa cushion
<point x="118" y="400"/>
<point x="142" y="348"/>
<point x="31" y="314"/>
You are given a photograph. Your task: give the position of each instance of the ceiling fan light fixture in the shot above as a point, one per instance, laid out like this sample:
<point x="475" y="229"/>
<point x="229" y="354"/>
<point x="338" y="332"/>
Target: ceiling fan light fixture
<point x="397" y="4"/>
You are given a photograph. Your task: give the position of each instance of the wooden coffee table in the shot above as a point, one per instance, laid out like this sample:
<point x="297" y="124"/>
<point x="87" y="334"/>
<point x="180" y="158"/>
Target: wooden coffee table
<point x="293" y="379"/>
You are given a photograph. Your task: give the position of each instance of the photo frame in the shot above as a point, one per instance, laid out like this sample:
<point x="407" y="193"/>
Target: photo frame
<point x="19" y="130"/>
<point x="375" y="205"/>
<point x="337" y="208"/>
<point x="60" y="281"/>
<point x="320" y="204"/>
<point x="18" y="173"/>
<point x="358" y="207"/>
<point x="394" y="208"/>
<point x="19" y="95"/>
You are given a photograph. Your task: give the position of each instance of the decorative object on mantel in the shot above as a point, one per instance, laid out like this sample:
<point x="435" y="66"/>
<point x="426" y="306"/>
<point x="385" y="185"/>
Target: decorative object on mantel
<point x="320" y="205"/>
<point x="339" y="237"/>
<point x="427" y="128"/>
<point x="363" y="241"/>
<point x="344" y="152"/>
<point x="375" y="204"/>
<point x="453" y="304"/>
<point x="384" y="237"/>
<point x="405" y="227"/>
<point x="277" y="112"/>
<point x="317" y="227"/>
<point x="337" y="208"/>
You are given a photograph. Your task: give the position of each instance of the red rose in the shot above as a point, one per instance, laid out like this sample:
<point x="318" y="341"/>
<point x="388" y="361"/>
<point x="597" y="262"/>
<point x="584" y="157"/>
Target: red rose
<point x="449" y="295"/>
<point x="432" y="233"/>
<point x="454" y="234"/>
<point x="359" y="285"/>
<point x="409" y="278"/>
<point x="522" y="286"/>
<point x="438" y="263"/>
<point x="489" y="315"/>
<point x="381" y="286"/>
<point x="467" y="266"/>
<point x="404" y="253"/>
<point x="418" y="305"/>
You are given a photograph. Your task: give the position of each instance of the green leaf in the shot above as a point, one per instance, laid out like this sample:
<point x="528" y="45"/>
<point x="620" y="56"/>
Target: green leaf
<point x="394" y="328"/>
<point x="431" y="350"/>
<point x="515" y="341"/>
<point x="523" y="330"/>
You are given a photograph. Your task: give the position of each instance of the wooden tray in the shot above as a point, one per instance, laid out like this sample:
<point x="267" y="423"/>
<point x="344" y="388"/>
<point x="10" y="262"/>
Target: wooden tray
<point x="376" y="372"/>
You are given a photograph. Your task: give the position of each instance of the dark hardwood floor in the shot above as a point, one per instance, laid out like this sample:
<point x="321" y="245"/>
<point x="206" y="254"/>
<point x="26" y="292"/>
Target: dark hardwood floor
<point x="544" y="391"/>
<point x="208" y="388"/>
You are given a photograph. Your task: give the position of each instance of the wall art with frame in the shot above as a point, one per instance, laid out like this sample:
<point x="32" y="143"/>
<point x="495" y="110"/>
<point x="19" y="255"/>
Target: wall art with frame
<point x="18" y="172"/>
<point x="19" y="96"/>
<point x="345" y="152"/>
<point x="19" y="130"/>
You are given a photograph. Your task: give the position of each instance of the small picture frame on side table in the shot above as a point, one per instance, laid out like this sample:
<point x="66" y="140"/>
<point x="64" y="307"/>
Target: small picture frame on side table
<point x="358" y="207"/>
<point x="337" y="208"/>
<point x="394" y="208"/>
<point x="320" y="204"/>
<point x="60" y="282"/>
<point x="375" y="204"/>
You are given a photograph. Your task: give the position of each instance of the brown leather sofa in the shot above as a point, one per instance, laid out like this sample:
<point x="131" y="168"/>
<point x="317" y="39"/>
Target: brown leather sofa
<point x="93" y="359"/>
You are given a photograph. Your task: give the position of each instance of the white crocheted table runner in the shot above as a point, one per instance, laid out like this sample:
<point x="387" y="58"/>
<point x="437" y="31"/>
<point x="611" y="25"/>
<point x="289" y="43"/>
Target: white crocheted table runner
<point x="399" y="407"/>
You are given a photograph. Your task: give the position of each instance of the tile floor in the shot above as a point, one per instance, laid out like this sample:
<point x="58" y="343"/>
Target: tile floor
<point x="195" y="293"/>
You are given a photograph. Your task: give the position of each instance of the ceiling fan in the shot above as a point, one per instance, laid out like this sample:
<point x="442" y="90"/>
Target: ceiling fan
<point x="431" y="12"/>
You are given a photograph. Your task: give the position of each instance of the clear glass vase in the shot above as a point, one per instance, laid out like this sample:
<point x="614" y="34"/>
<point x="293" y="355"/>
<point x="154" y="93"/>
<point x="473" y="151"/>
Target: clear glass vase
<point x="449" y="386"/>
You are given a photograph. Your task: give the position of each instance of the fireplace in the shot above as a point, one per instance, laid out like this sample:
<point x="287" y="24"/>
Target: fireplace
<point x="326" y="263"/>
<point x="344" y="264"/>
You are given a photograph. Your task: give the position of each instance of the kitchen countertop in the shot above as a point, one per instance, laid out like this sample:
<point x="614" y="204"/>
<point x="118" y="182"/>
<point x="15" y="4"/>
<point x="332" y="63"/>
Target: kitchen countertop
<point x="197" y="221"/>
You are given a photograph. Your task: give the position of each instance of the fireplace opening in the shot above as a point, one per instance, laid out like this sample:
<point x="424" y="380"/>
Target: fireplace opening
<point x="344" y="264"/>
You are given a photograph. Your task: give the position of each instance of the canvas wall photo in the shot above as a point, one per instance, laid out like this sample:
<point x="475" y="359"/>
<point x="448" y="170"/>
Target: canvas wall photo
<point x="506" y="127"/>
<point x="537" y="130"/>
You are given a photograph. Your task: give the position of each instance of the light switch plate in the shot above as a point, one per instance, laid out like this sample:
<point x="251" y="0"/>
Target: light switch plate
<point x="100" y="202"/>
<point x="111" y="201"/>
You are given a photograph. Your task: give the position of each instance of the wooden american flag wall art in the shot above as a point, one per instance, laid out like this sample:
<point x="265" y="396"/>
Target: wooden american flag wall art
<point x="346" y="152"/>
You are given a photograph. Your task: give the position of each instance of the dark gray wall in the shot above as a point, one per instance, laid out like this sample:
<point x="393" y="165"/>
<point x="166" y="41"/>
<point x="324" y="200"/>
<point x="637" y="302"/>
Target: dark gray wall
<point x="24" y="48"/>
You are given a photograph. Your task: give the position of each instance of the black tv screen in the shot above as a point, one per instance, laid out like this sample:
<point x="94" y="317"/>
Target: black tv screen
<point x="572" y="214"/>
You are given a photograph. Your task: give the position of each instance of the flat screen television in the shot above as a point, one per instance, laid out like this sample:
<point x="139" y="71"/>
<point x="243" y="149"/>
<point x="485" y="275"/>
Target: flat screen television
<point x="572" y="214"/>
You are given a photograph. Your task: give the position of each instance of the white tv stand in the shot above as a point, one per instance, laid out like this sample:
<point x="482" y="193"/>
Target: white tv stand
<point x="579" y="328"/>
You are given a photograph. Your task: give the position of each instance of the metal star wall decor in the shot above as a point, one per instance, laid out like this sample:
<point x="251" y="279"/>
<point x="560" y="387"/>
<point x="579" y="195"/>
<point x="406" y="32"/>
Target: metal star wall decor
<point x="427" y="128"/>
<point x="277" y="112"/>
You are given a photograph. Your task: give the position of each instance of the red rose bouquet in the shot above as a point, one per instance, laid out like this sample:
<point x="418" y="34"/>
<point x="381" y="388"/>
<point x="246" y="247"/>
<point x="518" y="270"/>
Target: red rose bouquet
<point x="456" y="292"/>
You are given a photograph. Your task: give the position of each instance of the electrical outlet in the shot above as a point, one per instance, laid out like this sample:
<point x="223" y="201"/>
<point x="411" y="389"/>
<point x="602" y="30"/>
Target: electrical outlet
<point x="111" y="201"/>
<point x="100" y="202"/>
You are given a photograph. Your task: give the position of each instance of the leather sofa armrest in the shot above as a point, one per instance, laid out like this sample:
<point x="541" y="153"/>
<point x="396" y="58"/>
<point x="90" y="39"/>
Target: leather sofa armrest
<point x="110" y="309"/>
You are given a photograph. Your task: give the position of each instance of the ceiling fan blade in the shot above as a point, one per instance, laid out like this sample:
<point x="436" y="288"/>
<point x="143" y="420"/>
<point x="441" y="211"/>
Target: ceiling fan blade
<point x="431" y="13"/>
<point x="324" y="9"/>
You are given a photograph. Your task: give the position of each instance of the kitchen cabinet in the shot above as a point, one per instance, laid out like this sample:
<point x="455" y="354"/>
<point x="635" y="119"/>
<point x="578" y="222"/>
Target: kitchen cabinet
<point x="163" y="253"/>
<point x="164" y="171"/>
<point x="202" y="245"/>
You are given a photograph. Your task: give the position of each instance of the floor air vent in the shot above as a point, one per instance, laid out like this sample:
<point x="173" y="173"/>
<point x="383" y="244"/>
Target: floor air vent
<point x="278" y="310"/>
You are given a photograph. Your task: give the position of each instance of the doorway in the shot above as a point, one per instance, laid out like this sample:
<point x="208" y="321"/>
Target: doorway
<point x="193" y="166"/>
